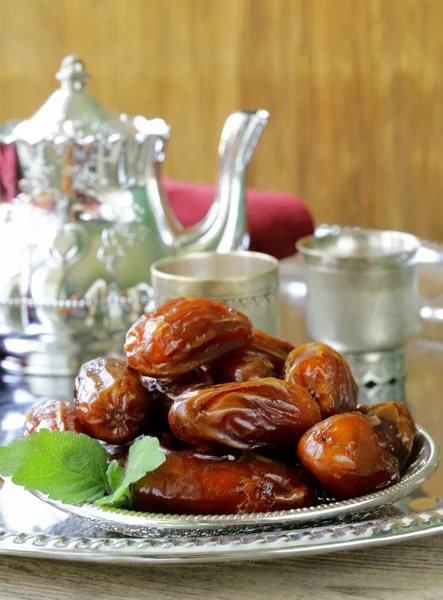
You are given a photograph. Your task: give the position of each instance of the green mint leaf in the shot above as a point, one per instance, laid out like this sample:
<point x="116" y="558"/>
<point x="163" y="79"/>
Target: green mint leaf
<point x="114" y="475"/>
<point x="63" y="465"/>
<point x="122" y="497"/>
<point x="12" y="456"/>
<point x="144" y="455"/>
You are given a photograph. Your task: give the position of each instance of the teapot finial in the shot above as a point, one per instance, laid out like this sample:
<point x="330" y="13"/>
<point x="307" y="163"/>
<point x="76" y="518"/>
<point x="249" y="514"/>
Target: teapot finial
<point x="72" y="73"/>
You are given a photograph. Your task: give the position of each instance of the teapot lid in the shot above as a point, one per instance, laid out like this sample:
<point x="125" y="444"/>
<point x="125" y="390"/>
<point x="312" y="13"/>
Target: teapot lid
<point x="71" y="112"/>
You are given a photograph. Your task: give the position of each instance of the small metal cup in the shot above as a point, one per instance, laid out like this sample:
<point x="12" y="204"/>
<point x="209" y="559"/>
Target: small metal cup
<point x="247" y="281"/>
<point x="361" y="289"/>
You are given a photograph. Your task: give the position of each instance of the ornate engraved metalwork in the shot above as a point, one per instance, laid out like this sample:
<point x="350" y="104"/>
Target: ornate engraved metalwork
<point x="224" y="548"/>
<point x="381" y="376"/>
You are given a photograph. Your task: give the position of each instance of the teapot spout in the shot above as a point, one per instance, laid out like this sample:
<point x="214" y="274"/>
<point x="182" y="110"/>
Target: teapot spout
<point x="223" y="229"/>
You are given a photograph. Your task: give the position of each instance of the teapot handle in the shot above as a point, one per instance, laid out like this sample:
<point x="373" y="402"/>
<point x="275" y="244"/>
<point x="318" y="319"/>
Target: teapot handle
<point x="168" y="226"/>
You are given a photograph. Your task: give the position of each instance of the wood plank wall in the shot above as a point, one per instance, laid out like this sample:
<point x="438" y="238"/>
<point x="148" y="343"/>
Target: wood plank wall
<point x="354" y="88"/>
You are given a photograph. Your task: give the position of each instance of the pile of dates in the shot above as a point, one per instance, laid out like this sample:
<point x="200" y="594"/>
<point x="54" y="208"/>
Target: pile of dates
<point x="248" y="422"/>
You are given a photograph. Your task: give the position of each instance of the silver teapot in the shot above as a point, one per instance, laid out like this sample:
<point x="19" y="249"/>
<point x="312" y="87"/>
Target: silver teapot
<point x="77" y="242"/>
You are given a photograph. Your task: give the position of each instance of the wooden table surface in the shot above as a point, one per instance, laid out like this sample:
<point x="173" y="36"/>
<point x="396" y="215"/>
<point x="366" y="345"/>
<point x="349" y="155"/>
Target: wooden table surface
<point x="407" y="571"/>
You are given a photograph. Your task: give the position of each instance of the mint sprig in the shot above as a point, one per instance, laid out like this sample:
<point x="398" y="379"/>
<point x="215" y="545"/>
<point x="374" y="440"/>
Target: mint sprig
<point x="115" y="475"/>
<point x="73" y="468"/>
<point x="144" y="455"/>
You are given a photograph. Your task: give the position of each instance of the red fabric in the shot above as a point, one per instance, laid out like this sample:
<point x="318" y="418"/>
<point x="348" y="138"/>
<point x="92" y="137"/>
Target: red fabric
<point x="9" y="175"/>
<point x="275" y="220"/>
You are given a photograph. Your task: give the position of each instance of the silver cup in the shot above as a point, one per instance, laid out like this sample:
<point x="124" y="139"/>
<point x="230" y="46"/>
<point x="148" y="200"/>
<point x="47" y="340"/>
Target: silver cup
<point x="247" y="281"/>
<point x="361" y="289"/>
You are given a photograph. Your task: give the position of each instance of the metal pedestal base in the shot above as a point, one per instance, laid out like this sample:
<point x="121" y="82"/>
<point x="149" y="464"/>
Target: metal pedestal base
<point x="381" y="376"/>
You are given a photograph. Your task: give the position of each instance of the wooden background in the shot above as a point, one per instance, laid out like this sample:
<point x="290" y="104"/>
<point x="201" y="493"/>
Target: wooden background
<point x="354" y="88"/>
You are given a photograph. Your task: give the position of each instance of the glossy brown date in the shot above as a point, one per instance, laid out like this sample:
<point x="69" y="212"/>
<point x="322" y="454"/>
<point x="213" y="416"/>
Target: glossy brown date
<point x="346" y="456"/>
<point x="193" y="482"/>
<point x="116" y="452"/>
<point x="241" y="367"/>
<point x="394" y="425"/>
<point x="173" y="388"/>
<point x="54" y="415"/>
<point x="110" y="401"/>
<point x="265" y="414"/>
<point x="185" y="334"/>
<point x="326" y="375"/>
<point x="274" y="349"/>
<point x="163" y="393"/>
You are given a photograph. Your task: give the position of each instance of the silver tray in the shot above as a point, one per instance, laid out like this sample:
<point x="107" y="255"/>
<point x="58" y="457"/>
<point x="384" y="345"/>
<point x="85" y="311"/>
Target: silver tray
<point x="260" y="546"/>
<point x="421" y="467"/>
<point x="29" y="527"/>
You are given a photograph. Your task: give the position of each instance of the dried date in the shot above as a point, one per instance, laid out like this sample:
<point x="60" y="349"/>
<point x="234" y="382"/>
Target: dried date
<point x="163" y="393"/>
<point x="326" y="375"/>
<point x="241" y="367"/>
<point x="346" y="456"/>
<point x="394" y="425"/>
<point x="173" y="388"/>
<point x="274" y="349"/>
<point x="185" y="334"/>
<point x="110" y="401"/>
<point x="117" y="452"/>
<point x="264" y="414"/>
<point x="196" y="482"/>
<point x="54" y="415"/>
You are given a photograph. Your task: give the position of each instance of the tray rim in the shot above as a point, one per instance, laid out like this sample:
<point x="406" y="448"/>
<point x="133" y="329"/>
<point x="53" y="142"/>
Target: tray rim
<point x="134" y="524"/>
<point x="264" y="546"/>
